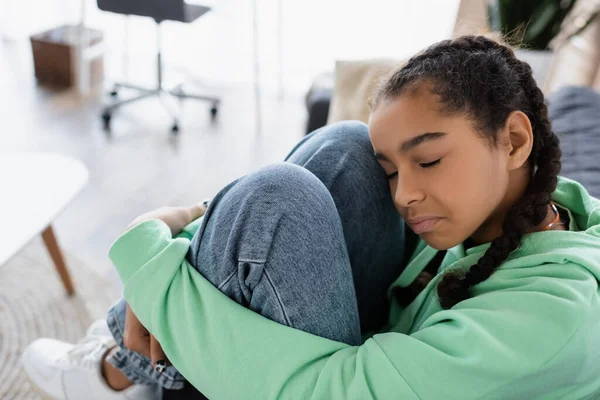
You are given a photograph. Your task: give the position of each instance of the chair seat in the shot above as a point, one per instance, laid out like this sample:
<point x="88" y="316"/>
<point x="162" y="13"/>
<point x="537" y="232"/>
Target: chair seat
<point x="159" y="10"/>
<point x="193" y="11"/>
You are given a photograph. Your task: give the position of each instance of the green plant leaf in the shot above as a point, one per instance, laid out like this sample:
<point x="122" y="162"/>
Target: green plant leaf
<point x="543" y="18"/>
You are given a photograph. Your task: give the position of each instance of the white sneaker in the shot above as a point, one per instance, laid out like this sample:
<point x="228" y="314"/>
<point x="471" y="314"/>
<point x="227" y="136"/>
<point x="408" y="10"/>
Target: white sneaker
<point x="64" y="371"/>
<point x="99" y="328"/>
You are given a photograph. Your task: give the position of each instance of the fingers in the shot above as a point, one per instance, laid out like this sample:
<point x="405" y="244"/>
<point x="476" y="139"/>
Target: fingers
<point x="175" y="217"/>
<point x="158" y="356"/>
<point x="196" y="211"/>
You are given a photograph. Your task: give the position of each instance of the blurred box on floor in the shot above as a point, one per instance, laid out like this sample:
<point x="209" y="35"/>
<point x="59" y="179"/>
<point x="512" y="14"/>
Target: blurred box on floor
<point x="55" y="55"/>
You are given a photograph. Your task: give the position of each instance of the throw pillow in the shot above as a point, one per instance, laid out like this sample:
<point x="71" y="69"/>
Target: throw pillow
<point x="355" y="82"/>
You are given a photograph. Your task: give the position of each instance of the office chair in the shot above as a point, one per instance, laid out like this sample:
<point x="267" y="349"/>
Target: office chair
<point x="159" y="10"/>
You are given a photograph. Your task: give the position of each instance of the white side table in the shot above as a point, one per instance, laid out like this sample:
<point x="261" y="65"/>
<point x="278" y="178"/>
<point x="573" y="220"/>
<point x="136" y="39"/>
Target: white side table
<point x="34" y="189"/>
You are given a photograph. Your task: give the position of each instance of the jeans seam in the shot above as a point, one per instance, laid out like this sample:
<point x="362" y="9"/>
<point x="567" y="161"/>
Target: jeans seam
<point x="278" y="297"/>
<point x="226" y="281"/>
<point x="252" y="261"/>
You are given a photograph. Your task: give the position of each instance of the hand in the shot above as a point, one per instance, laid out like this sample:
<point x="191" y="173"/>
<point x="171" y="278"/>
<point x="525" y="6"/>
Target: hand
<point x="137" y="338"/>
<point x="175" y="217"/>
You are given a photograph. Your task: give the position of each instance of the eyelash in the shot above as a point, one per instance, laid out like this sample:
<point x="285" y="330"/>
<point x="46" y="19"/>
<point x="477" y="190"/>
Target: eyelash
<point x="422" y="165"/>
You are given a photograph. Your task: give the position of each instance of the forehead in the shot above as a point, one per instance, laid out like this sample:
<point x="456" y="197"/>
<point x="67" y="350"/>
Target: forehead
<point x="413" y="113"/>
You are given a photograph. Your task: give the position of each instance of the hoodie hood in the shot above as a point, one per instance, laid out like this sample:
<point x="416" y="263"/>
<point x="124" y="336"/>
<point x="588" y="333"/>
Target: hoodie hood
<point x="584" y="208"/>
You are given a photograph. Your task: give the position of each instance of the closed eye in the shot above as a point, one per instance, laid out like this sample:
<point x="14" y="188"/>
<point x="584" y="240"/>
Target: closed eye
<point x="422" y="165"/>
<point x="431" y="164"/>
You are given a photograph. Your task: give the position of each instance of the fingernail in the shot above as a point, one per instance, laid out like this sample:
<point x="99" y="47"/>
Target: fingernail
<point x="161" y="365"/>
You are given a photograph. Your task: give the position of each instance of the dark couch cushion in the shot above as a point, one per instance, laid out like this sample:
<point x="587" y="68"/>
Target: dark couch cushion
<point x="575" y="115"/>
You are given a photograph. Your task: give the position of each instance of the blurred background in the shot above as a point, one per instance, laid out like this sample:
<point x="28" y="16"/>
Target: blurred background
<point x="140" y="164"/>
<point x="237" y="84"/>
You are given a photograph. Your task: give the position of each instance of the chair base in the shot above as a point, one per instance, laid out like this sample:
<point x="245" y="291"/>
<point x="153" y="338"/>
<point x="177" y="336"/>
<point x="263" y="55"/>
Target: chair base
<point x="166" y="96"/>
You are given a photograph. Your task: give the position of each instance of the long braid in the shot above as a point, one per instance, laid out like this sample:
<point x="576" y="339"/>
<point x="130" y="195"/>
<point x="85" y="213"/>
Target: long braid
<point x="506" y="85"/>
<point x="531" y="209"/>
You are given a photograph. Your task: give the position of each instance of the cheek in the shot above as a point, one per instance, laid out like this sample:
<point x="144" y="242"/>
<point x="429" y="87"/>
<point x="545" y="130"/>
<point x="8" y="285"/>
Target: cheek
<point x="484" y="184"/>
<point x="452" y="188"/>
<point x="468" y="186"/>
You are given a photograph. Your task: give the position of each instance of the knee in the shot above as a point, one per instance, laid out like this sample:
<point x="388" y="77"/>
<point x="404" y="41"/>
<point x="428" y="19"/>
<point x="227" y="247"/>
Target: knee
<point x="348" y="133"/>
<point x="345" y="137"/>
<point x="273" y="201"/>
<point x="286" y="185"/>
<point x="350" y="128"/>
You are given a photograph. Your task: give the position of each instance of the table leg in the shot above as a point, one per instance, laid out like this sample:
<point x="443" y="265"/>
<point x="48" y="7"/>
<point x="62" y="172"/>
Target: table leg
<point x="57" y="258"/>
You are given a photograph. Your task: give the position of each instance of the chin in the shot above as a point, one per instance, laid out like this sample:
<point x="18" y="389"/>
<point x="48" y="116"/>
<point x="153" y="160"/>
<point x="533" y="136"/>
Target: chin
<point x="439" y="242"/>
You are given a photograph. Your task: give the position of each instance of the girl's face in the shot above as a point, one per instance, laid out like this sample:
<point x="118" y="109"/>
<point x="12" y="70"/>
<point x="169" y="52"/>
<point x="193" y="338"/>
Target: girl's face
<point x="448" y="183"/>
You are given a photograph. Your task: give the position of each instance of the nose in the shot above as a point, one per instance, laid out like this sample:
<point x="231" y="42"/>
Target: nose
<point x="408" y="191"/>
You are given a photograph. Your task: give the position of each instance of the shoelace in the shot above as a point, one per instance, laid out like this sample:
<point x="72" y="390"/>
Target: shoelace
<point x="86" y="353"/>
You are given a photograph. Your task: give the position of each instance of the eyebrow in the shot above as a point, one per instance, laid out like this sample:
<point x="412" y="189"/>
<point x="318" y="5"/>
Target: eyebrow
<point x="410" y="144"/>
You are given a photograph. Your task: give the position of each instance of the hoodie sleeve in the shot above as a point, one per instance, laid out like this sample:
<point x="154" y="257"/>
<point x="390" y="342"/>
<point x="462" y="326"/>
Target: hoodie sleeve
<point x="230" y="352"/>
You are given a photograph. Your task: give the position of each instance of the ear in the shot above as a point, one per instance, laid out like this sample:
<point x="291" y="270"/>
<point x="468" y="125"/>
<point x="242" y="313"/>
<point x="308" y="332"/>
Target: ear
<point x="518" y="135"/>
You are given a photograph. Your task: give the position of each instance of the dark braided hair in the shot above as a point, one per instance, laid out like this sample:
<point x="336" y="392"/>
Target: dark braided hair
<point x="484" y="80"/>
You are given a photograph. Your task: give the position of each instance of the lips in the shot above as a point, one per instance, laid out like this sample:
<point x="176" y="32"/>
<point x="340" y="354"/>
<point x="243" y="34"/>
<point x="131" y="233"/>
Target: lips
<point x="423" y="225"/>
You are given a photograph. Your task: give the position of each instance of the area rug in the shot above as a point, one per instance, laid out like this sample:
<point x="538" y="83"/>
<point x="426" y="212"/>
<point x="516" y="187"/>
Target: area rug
<point x="33" y="304"/>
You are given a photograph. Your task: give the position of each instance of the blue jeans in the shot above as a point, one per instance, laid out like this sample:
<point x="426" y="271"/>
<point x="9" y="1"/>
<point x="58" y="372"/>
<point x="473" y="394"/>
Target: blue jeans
<point x="313" y="243"/>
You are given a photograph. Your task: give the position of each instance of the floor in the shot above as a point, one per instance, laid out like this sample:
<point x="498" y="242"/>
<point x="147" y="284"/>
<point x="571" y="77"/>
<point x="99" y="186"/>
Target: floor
<point x="139" y="166"/>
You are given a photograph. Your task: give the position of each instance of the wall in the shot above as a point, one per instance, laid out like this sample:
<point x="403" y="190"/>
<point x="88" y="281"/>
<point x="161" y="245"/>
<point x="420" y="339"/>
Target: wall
<point x="219" y="46"/>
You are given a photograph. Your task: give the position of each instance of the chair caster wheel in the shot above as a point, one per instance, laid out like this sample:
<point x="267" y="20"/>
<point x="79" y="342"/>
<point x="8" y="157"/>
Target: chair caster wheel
<point x="114" y="93"/>
<point x="106" y="117"/>
<point x="175" y="129"/>
<point x="214" y="110"/>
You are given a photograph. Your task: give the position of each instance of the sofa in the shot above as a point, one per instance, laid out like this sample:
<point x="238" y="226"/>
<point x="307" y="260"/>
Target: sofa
<point x="575" y="113"/>
<point x="574" y="105"/>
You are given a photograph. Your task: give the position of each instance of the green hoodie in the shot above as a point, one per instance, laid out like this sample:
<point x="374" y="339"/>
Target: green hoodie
<point x="530" y="331"/>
